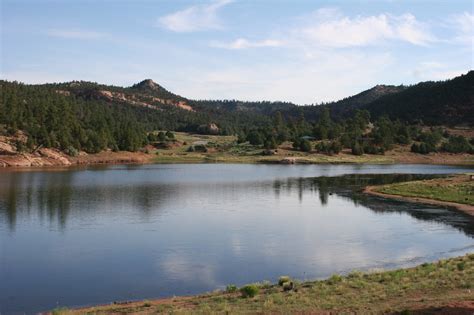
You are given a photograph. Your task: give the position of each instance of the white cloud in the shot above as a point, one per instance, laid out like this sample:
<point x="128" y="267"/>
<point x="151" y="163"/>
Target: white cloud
<point x="242" y="43"/>
<point x="463" y="25"/>
<point x="433" y="70"/>
<point x="303" y="81"/>
<point x="75" y="34"/>
<point x="330" y="28"/>
<point x="194" y="18"/>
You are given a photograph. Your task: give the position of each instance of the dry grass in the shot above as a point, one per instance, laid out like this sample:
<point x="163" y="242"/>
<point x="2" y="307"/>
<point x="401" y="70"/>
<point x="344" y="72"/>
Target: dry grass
<point x="429" y="285"/>
<point x="459" y="189"/>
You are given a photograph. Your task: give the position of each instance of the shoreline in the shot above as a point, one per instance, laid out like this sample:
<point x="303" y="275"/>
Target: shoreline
<point x="218" y="149"/>
<point x="459" y="206"/>
<point x="25" y="161"/>
<point x="432" y="288"/>
<point x="448" y="183"/>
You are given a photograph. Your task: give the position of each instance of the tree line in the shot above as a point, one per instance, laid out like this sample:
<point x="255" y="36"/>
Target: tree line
<point x="357" y="133"/>
<point x="79" y="121"/>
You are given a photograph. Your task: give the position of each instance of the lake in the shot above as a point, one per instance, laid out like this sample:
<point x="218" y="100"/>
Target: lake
<point x="95" y="235"/>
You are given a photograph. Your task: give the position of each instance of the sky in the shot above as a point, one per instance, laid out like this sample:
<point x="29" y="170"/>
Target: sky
<point x="305" y="52"/>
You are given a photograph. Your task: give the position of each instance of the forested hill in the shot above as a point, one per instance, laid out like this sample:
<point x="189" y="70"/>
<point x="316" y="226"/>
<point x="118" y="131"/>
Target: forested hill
<point x="92" y="117"/>
<point x="434" y="103"/>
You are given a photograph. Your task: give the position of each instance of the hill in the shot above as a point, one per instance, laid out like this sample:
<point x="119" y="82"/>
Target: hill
<point x="92" y="117"/>
<point x="448" y="102"/>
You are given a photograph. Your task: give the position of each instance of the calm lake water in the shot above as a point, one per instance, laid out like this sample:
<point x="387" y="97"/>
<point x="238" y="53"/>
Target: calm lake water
<point x="86" y="236"/>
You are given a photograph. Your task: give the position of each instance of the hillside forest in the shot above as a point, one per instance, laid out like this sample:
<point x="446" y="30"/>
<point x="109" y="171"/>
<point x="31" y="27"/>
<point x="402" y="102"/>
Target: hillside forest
<point x="84" y="116"/>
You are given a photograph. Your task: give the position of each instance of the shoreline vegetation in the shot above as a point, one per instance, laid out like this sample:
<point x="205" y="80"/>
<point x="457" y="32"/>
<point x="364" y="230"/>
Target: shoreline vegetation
<point x="444" y="286"/>
<point x="454" y="191"/>
<point x="194" y="148"/>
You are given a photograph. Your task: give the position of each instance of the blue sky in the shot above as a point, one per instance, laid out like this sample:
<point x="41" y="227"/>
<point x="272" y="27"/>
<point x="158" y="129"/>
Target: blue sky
<point x="300" y="51"/>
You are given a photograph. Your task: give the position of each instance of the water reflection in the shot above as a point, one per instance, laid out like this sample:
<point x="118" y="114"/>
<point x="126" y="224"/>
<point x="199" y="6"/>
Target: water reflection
<point x="151" y="231"/>
<point x="50" y="197"/>
<point x="350" y="188"/>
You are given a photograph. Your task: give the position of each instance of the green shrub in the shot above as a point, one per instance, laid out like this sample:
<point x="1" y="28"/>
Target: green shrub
<point x="329" y="147"/>
<point x="71" y="151"/>
<point x="288" y="286"/>
<point x="305" y="146"/>
<point x="152" y="137"/>
<point x="169" y="135"/>
<point x="250" y="290"/>
<point x="283" y="279"/>
<point x="423" y="148"/>
<point x="270" y="143"/>
<point x="231" y="288"/>
<point x="296" y="143"/>
<point x="357" y="149"/>
<point x="161" y="136"/>
<point x="457" y="144"/>
<point x="255" y="138"/>
<point x="335" y="279"/>
<point x="371" y="148"/>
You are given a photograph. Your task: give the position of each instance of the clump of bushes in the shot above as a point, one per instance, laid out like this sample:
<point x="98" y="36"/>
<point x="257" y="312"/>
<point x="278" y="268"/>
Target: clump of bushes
<point x="286" y="283"/>
<point x="283" y="279"/>
<point x="255" y="138"/>
<point x="270" y="143"/>
<point x="329" y="147"/>
<point x="231" y="288"/>
<point x="357" y="149"/>
<point x="170" y="135"/>
<point x="250" y="290"/>
<point x="335" y="279"/>
<point x="457" y="144"/>
<point x="371" y="148"/>
<point x="302" y="145"/>
<point x="423" y="148"/>
<point x="71" y="151"/>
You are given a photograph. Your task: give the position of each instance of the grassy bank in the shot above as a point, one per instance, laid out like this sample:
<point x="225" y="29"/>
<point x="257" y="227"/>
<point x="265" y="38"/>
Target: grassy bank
<point x="457" y="189"/>
<point x="447" y="284"/>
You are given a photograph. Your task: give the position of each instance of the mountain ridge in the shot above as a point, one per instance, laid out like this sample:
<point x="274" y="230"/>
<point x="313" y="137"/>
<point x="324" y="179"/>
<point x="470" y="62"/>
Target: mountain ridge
<point x="432" y="102"/>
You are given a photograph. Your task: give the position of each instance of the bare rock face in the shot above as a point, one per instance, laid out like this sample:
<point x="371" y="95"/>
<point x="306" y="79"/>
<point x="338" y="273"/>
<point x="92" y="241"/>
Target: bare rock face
<point x="6" y="148"/>
<point x="55" y="155"/>
<point x="148" y="84"/>
<point x="211" y="129"/>
<point x="9" y="155"/>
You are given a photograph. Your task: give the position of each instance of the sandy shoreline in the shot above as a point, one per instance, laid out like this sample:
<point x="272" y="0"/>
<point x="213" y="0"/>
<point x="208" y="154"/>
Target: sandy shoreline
<point x="51" y="158"/>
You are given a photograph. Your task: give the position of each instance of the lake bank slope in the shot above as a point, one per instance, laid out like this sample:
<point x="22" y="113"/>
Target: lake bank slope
<point x="444" y="286"/>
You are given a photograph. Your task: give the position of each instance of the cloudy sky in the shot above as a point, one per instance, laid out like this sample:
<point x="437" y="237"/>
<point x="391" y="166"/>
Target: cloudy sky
<point x="292" y="50"/>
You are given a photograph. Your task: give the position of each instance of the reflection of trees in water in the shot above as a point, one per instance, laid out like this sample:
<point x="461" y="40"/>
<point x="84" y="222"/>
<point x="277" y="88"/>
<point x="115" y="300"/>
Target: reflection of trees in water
<point x="349" y="183"/>
<point x="350" y="188"/>
<point x="52" y="197"/>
